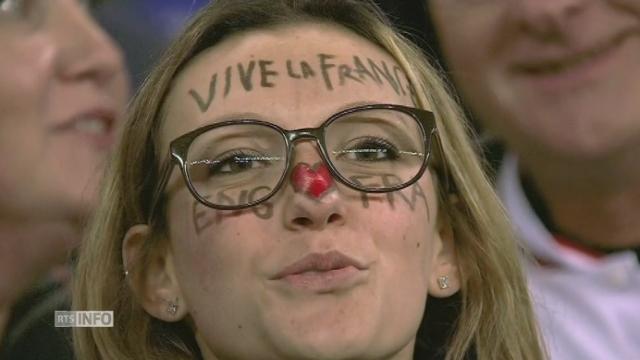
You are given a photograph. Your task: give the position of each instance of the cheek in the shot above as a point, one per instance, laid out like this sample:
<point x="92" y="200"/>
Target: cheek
<point x="403" y="240"/>
<point x="467" y="32"/>
<point x="191" y="231"/>
<point x="24" y="178"/>
<point x="213" y="248"/>
<point x="217" y="259"/>
<point x="21" y="143"/>
<point x="404" y="229"/>
<point x="23" y="93"/>
<point x="405" y="247"/>
<point x="27" y="70"/>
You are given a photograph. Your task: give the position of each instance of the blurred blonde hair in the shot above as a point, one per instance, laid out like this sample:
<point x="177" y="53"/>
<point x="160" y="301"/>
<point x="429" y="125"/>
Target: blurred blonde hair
<point x="495" y="316"/>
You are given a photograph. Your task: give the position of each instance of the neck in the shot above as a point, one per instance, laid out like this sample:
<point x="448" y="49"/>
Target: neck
<point x="596" y="203"/>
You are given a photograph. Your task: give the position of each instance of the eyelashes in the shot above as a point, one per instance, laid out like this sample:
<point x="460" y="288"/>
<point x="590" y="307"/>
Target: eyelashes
<point x="369" y="148"/>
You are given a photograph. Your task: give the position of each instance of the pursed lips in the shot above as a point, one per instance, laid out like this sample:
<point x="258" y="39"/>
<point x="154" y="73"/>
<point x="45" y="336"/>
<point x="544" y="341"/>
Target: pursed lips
<point x="322" y="273"/>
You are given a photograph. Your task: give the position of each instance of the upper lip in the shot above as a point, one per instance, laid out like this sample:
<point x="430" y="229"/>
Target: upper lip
<point x="331" y="260"/>
<point x="104" y="113"/>
<point x="534" y="63"/>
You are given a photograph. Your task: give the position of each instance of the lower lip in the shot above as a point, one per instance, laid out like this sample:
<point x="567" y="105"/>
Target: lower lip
<point x="579" y="75"/>
<point x="326" y="281"/>
<point x="102" y="142"/>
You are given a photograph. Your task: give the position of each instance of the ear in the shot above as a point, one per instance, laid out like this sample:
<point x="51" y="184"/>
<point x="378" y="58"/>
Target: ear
<point x="153" y="282"/>
<point x="444" y="278"/>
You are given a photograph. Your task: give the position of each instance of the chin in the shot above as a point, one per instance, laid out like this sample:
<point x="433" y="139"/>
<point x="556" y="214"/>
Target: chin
<point x="588" y="147"/>
<point x="334" y="346"/>
<point x="572" y="137"/>
<point x="356" y="340"/>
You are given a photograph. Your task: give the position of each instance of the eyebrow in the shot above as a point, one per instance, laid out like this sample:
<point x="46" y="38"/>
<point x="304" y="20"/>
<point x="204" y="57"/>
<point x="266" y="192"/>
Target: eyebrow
<point x="362" y="103"/>
<point x="236" y="116"/>
<point x="357" y="104"/>
<point x="256" y="116"/>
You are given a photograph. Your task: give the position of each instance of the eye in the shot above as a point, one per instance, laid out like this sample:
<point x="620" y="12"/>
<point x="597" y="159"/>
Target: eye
<point x="368" y="148"/>
<point x="237" y="161"/>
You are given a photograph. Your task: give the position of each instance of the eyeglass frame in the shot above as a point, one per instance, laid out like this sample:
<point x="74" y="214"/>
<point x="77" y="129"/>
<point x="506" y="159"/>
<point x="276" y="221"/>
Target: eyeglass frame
<point x="178" y="152"/>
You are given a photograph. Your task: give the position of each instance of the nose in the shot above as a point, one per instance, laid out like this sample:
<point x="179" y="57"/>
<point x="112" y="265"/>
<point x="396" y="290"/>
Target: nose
<point x="546" y="18"/>
<point x="85" y="52"/>
<point x="314" y="202"/>
<point x="314" y="181"/>
<point x="304" y="213"/>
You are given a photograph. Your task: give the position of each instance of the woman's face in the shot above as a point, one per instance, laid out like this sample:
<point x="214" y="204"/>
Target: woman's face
<point x="227" y="264"/>
<point x="63" y="87"/>
<point x="558" y="77"/>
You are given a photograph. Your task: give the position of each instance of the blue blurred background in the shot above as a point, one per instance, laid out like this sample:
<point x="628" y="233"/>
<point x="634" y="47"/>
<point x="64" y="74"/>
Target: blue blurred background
<point x="144" y="28"/>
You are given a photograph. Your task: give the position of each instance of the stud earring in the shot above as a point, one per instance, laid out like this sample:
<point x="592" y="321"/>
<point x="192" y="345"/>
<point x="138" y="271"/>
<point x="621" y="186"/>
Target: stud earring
<point x="172" y="309"/>
<point x="443" y="282"/>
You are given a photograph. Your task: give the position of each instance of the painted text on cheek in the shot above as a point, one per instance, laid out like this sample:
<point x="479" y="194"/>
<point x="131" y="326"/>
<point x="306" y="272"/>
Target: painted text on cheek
<point x="390" y="180"/>
<point x="204" y="217"/>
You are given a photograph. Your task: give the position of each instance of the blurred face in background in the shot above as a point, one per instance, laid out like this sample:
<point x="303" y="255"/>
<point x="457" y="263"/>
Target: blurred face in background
<point x="63" y="88"/>
<point x="561" y="76"/>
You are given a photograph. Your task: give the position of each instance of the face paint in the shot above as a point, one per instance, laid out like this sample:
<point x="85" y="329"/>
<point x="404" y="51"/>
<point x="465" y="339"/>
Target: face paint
<point x="313" y="182"/>
<point x="265" y="73"/>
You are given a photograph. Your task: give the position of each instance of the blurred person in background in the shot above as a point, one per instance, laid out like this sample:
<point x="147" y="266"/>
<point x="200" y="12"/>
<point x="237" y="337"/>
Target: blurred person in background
<point x="558" y="82"/>
<point x="63" y="88"/>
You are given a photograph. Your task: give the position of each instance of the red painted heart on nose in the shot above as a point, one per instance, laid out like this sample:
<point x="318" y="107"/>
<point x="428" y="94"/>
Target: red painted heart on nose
<point x="312" y="182"/>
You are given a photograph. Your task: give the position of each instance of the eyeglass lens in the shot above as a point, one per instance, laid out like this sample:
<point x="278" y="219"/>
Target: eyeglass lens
<point x="243" y="163"/>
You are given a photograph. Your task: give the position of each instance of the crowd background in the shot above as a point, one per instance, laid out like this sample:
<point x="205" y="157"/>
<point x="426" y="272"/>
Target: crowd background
<point x="144" y="27"/>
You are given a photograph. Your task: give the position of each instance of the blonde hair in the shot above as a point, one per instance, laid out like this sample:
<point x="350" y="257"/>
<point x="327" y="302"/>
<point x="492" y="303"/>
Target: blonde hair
<point x="495" y="316"/>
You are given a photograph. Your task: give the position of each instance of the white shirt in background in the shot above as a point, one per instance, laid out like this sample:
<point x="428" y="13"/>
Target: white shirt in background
<point x="588" y="308"/>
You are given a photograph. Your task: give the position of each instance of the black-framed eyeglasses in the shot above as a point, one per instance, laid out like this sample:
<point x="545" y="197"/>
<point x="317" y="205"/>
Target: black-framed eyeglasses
<point x="241" y="163"/>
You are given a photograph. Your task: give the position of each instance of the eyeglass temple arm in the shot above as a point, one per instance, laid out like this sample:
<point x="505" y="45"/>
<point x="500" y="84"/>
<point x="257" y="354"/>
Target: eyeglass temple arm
<point x="449" y="185"/>
<point x="429" y="121"/>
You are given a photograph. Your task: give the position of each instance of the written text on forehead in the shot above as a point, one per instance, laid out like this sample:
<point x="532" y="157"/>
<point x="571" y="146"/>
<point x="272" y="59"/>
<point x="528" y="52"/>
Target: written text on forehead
<point x="247" y="75"/>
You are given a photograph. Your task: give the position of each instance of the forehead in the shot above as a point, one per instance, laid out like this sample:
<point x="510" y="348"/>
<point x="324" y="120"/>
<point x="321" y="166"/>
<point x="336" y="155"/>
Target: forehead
<point x="294" y="76"/>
